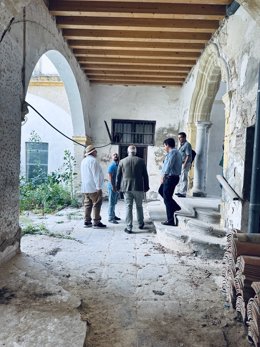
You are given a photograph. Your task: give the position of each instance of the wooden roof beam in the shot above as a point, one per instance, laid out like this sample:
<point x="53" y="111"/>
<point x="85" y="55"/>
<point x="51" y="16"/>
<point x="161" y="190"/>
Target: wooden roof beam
<point x="136" y="36"/>
<point x="126" y="83"/>
<point x="132" y="54"/>
<point x="158" y="46"/>
<point x="137" y="10"/>
<point x="136" y="61"/>
<point x="161" y="25"/>
<point x="129" y="68"/>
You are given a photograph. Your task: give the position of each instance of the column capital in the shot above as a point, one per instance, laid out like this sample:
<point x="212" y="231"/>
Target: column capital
<point x="84" y="140"/>
<point x="203" y="124"/>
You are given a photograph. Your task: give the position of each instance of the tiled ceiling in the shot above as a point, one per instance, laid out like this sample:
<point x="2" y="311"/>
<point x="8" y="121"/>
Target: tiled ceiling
<point x="140" y="42"/>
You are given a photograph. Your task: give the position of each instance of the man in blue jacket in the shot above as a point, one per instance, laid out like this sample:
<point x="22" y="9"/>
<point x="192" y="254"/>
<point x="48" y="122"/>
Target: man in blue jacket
<point x="111" y="188"/>
<point x="171" y="171"/>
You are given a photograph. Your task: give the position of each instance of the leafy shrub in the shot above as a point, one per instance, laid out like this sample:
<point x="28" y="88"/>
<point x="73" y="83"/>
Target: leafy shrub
<point x="49" y="193"/>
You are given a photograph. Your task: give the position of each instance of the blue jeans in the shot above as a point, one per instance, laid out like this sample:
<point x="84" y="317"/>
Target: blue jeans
<point x="166" y="191"/>
<point x="112" y="201"/>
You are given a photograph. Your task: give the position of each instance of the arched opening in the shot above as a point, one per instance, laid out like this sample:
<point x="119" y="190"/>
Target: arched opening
<point x="47" y="94"/>
<point x="207" y="122"/>
<point x="54" y="93"/>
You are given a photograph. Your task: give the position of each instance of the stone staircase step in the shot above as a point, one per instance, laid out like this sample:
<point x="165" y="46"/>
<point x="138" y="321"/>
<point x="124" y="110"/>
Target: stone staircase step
<point x="190" y="241"/>
<point x="208" y="215"/>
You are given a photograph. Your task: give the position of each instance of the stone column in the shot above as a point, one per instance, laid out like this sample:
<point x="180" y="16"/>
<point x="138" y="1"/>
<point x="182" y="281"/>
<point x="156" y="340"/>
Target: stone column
<point x="200" y="168"/>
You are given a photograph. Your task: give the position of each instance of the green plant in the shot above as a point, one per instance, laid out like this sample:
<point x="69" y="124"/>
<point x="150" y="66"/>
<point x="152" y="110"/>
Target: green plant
<point x="52" y="192"/>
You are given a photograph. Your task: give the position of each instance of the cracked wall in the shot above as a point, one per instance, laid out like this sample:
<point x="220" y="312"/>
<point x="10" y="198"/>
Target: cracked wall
<point x="41" y="35"/>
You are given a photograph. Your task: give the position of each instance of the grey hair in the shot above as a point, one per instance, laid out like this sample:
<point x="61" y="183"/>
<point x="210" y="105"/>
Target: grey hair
<point x="131" y="149"/>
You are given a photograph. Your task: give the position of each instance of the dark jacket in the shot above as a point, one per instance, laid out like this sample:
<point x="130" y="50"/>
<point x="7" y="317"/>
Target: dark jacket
<point x="132" y="175"/>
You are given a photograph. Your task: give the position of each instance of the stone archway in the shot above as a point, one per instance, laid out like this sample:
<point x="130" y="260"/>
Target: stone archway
<point x="212" y="70"/>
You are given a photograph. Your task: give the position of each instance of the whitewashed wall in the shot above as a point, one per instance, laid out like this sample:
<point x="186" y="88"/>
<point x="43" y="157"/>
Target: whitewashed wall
<point x="57" y="143"/>
<point x="136" y="103"/>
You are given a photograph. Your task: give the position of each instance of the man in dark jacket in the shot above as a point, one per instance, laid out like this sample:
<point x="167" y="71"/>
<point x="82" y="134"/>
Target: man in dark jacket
<point x="132" y="179"/>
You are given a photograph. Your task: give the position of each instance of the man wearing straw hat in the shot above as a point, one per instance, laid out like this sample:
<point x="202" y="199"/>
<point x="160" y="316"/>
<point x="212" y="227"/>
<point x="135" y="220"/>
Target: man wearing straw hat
<point x="92" y="179"/>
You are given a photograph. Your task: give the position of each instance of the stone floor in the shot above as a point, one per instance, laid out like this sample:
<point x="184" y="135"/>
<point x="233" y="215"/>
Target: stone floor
<point x="105" y="288"/>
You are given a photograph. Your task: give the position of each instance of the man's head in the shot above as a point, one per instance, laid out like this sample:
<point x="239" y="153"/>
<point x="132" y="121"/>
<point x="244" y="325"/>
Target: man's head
<point x="115" y="157"/>
<point x="90" y="150"/>
<point x="182" y="137"/>
<point x="169" y="144"/>
<point x="131" y="150"/>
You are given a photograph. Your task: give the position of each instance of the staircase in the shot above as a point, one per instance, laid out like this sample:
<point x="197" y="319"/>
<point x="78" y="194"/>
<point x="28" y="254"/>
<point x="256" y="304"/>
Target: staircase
<point x="198" y="228"/>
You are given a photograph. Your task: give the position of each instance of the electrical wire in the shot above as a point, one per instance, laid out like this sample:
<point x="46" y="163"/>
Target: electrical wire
<point x="61" y="131"/>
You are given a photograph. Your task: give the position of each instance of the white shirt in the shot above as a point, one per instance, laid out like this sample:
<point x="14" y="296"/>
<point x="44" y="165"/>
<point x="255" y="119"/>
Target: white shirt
<point x="92" y="177"/>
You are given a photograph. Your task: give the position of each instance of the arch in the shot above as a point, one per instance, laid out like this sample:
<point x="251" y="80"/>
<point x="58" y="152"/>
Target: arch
<point x="212" y="70"/>
<point x="72" y="90"/>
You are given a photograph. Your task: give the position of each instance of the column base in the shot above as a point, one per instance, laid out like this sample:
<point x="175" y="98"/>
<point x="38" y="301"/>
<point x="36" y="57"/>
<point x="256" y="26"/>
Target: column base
<point x="199" y="194"/>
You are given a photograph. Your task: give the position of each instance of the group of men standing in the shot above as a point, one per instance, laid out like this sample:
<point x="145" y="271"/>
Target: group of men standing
<point x="130" y="176"/>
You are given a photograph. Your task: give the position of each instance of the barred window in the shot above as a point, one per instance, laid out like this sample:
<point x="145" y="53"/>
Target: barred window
<point x="131" y="131"/>
<point x="36" y="159"/>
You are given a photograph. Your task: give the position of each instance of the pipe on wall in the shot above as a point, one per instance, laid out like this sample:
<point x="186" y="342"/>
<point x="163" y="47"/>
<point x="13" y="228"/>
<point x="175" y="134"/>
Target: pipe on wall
<point x="254" y="204"/>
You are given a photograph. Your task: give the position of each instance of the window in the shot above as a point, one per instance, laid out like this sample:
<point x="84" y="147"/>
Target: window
<point x="130" y="131"/>
<point x="36" y="159"/>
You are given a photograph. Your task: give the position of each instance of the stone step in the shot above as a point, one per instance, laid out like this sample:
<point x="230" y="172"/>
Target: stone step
<point x="190" y="240"/>
<point x="189" y="222"/>
<point x="208" y="215"/>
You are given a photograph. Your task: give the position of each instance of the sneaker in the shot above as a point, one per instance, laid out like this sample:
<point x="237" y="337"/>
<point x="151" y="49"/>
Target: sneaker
<point x="87" y="225"/>
<point x="171" y="223"/>
<point x="99" y="226"/>
<point x="141" y="226"/>
<point x="128" y="231"/>
<point x="182" y="195"/>
<point x="113" y="221"/>
<point x="117" y="218"/>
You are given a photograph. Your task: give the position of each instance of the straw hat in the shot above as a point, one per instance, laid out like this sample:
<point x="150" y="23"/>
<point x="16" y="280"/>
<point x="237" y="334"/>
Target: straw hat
<point x="89" y="149"/>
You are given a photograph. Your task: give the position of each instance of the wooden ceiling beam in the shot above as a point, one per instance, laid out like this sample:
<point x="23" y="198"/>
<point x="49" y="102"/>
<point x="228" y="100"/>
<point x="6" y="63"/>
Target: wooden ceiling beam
<point x="155" y="84"/>
<point x="133" y="78"/>
<point x="158" y="46"/>
<point x="136" y="74"/>
<point x="161" y="25"/>
<point x="136" y="79"/>
<point x="187" y="2"/>
<point x="136" y="36"/>
<point x="162" y="69"/>
<point x="133" y="54"/>
<point x="137" y="10"/>
<point x="136" y="61"/>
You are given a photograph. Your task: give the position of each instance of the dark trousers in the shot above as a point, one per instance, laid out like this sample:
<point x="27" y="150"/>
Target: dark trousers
<point x="166" y="191"/>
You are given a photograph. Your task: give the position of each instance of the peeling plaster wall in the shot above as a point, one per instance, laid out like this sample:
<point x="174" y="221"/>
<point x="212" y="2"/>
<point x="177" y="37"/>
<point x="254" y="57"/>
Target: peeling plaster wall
<point x="239" y="46"/>
<point x="41" y="36"/>
<point x="136" y="103"/>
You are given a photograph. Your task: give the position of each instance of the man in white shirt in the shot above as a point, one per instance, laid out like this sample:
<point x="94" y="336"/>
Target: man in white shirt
<point x="92" y="180"/>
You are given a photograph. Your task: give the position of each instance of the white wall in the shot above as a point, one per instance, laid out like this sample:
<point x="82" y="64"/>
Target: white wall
<point x="57" y="143"/>
<point x="136" y="103"/>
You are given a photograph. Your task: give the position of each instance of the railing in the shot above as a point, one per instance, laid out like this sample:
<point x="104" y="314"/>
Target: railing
<point x="224" y="183"/>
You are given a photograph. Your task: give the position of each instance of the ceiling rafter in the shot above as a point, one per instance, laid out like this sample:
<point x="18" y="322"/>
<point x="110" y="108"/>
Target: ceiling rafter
<point x="138" y="41"/>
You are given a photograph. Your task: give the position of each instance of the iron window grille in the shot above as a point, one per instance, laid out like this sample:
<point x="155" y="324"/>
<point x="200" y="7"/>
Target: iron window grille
<point x="132" y="131"/>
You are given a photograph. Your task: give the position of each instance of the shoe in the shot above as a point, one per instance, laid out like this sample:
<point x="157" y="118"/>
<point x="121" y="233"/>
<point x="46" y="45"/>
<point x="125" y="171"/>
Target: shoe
<point x="177" y="194"/>
<point x="141" y="226"/>
<point x="128" y="231"/>
<point x="182" y="195"/>
<point x="117" y="218"/>
<point x="171" y="223"/>
<point x="99" y="226"/>
<point x="113" y="221"/>
<point x="87" y="225"/>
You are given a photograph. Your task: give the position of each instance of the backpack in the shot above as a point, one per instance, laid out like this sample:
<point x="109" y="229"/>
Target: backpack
<point x="193" y="155"/>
